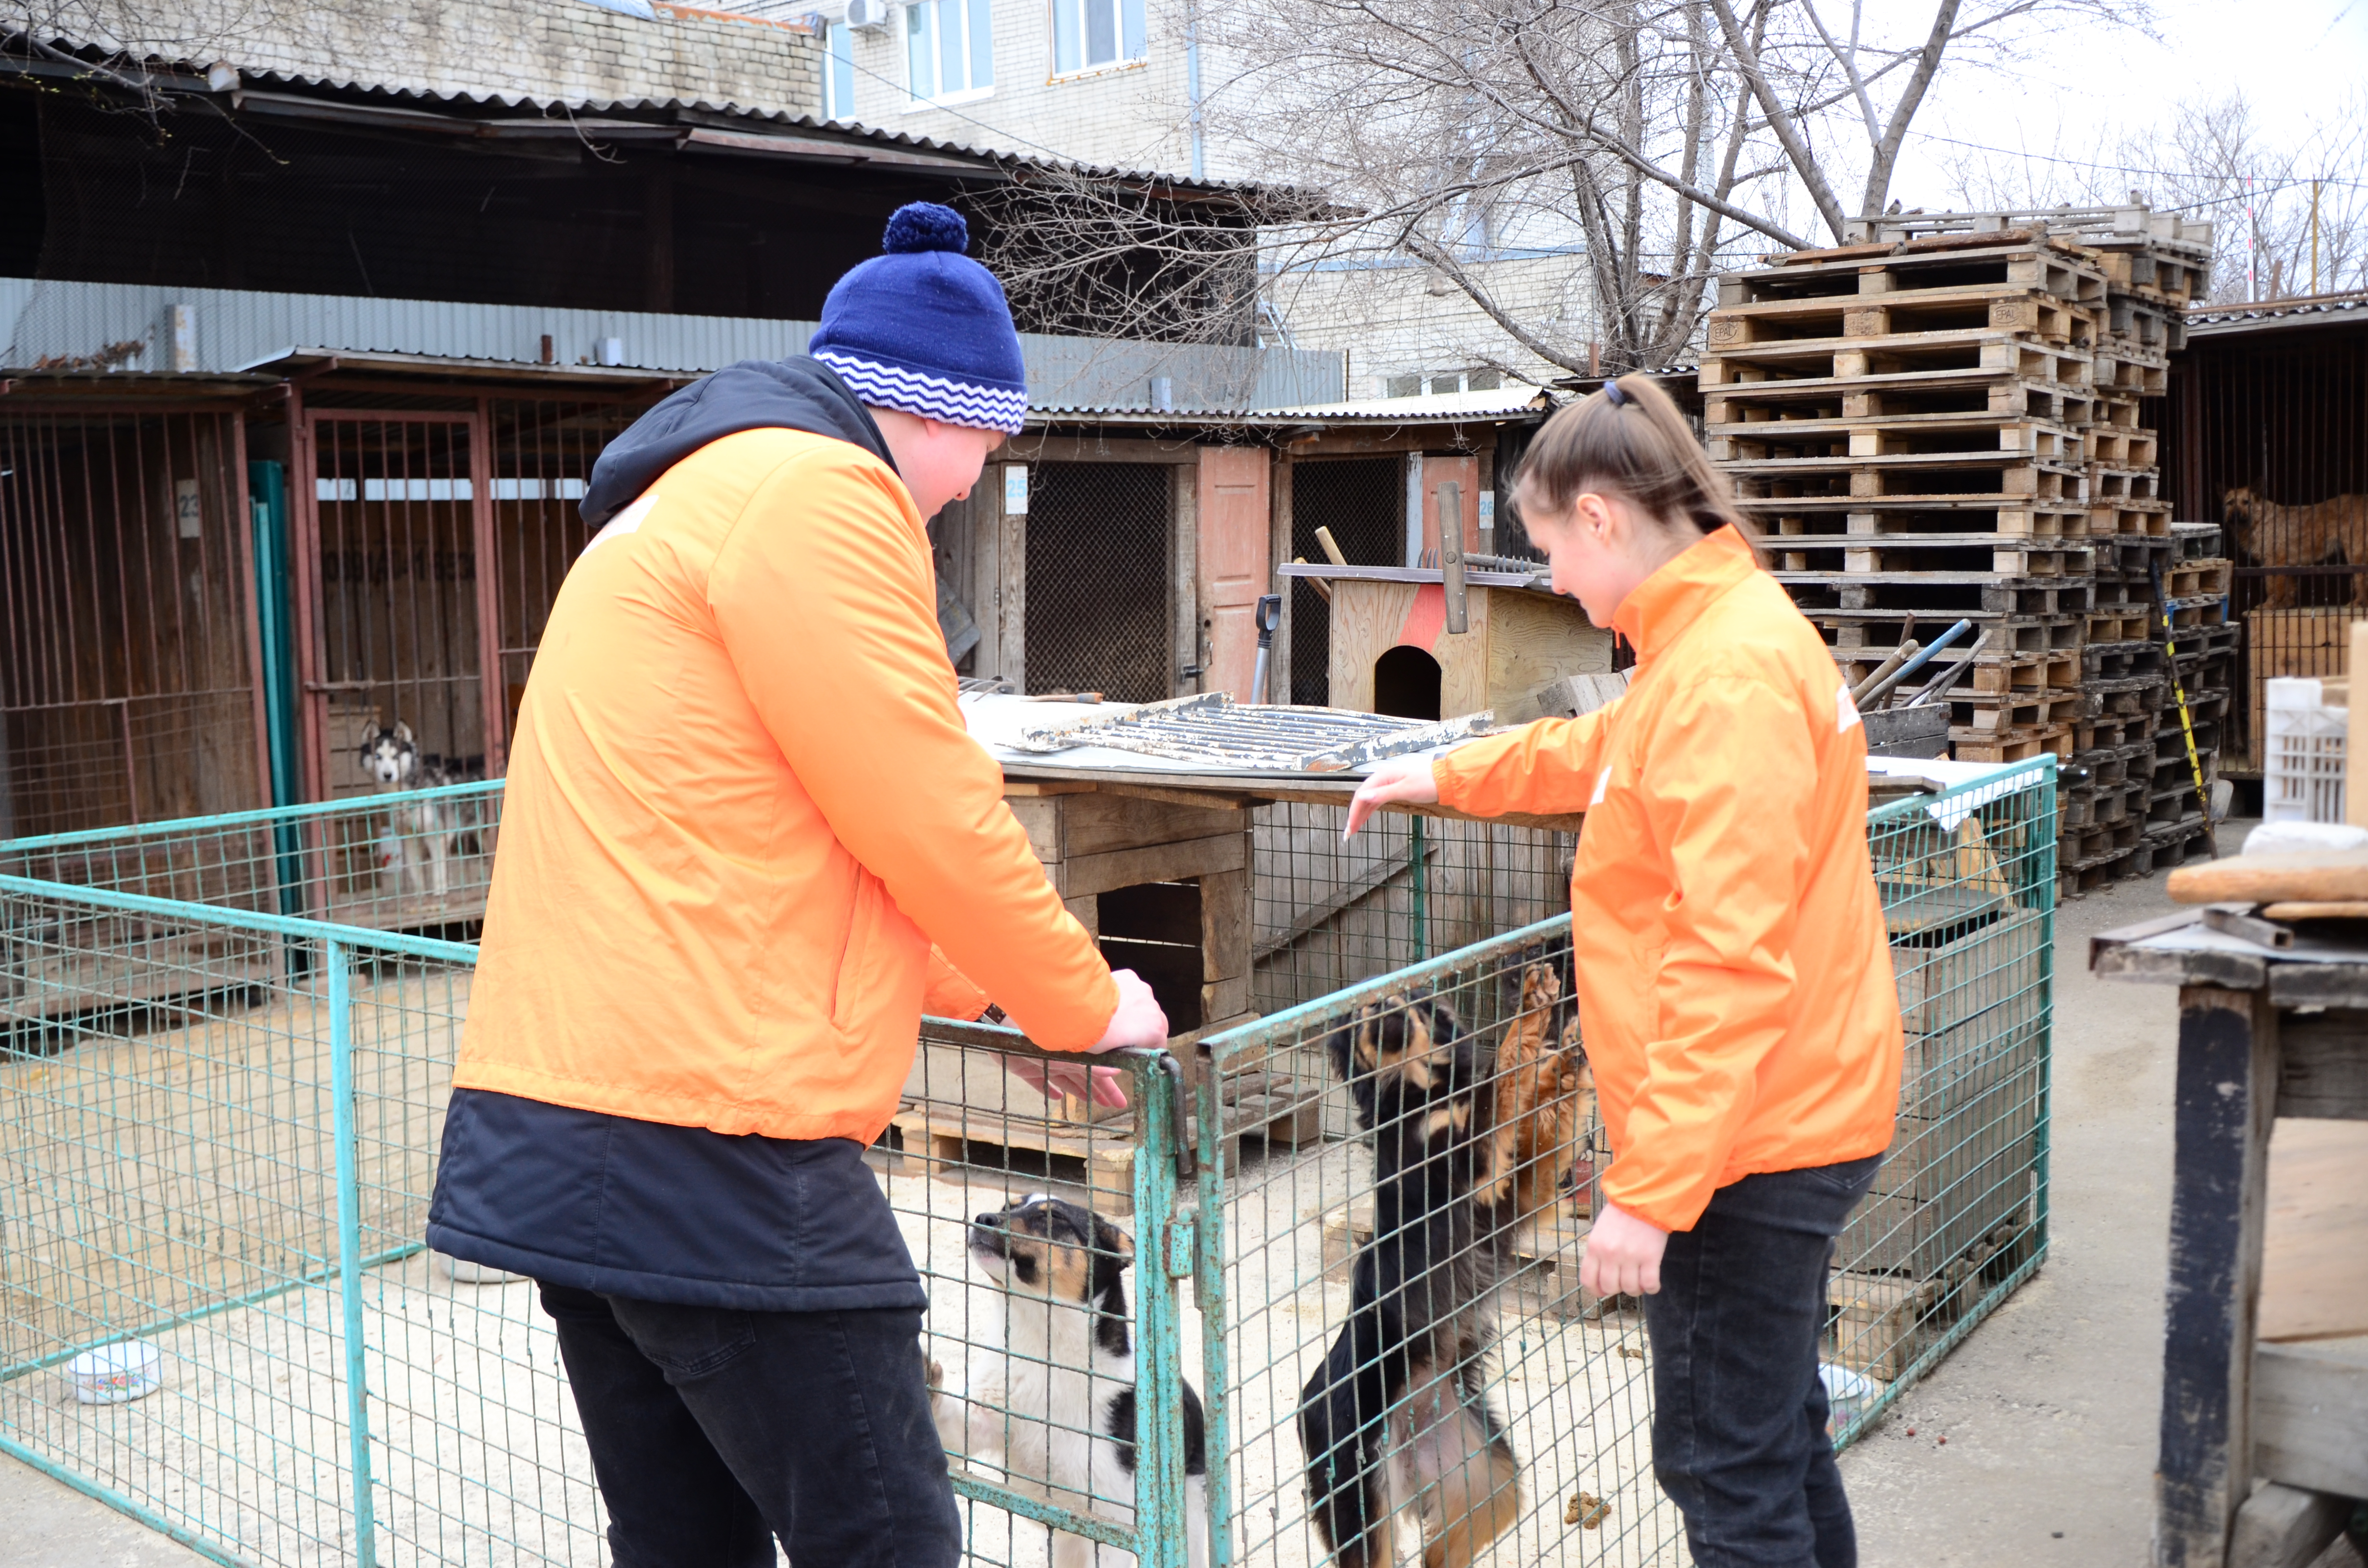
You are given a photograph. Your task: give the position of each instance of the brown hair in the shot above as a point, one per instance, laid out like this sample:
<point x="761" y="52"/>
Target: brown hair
<point x="1631" y="439"/>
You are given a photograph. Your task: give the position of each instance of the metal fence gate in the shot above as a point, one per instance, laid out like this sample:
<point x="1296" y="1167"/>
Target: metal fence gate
<point x="1362" y="501"/>
<point x="1101" y="582"/>
<point x="392" y="615"/>
<point x="127" y="668"/>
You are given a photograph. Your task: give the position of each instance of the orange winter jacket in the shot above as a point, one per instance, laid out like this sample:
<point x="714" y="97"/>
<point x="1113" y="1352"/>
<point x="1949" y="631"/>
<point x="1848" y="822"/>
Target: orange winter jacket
<point x="1733" y="976"/>
<point x="740" y="806"/>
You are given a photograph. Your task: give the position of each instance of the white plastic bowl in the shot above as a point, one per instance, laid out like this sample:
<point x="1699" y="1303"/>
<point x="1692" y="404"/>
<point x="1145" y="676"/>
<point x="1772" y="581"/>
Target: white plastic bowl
<point x="462" y="1272"/>
<point x="116" y="1374"/>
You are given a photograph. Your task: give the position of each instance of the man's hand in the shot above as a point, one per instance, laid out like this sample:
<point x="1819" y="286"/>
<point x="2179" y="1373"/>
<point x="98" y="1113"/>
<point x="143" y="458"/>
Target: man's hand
<point x="1137" y="1022"/>
<point x="1622" y="1256"/>
<point x="1399" y="778"/>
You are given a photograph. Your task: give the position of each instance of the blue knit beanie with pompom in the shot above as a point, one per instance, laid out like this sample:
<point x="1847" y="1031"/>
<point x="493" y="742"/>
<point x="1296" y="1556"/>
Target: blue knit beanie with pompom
<point x="926" y="329"/>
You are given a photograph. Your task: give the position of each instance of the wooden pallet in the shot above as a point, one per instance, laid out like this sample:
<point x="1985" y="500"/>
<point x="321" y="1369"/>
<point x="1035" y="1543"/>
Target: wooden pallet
<point x="2196" y="540"/>
<point x="1998" y="555"/>
<point x="2071" y="272"/>
<point x="2130" y="517"/>
<point x="2012" y="478"/>
<point x="1997" y="672"/>
<point x="2018" y="747"/>
<point x="1096" y="1150"/>
<point x="1854" y="632"/>
<point x="1937" y="594"/>
<point x="1852" y="357"/>
<point x="1951" y="392"/>
<point x="2022" y="309"/>
<point x="2122" y="447"/>
<point x="1880" y="436"/>
<point x="1985" y="715"/>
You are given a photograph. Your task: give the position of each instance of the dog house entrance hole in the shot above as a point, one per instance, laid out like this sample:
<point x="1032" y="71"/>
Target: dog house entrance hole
<point x="1406" y="684"/>
<point x="1155" y="930"/>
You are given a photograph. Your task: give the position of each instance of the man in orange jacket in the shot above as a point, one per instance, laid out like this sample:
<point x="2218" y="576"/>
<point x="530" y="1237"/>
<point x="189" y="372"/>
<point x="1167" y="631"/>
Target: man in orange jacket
<point x="748" y="841"/>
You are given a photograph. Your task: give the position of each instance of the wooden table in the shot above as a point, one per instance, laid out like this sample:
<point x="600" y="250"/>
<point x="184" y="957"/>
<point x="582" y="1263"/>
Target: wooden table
<point x="2263" y="1033"/>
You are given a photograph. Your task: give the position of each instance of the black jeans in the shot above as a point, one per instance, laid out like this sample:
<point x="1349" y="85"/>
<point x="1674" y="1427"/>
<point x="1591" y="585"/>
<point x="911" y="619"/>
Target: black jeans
<point x="714" y="1431"/>
<point x="1739" y="1438"/>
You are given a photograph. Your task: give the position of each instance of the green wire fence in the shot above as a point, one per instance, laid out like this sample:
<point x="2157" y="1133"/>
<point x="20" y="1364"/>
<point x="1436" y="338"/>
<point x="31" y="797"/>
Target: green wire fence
<point x="218" y="1125"/>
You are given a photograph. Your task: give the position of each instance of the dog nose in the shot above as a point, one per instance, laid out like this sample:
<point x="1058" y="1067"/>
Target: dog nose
<point x="989" y="1222"/>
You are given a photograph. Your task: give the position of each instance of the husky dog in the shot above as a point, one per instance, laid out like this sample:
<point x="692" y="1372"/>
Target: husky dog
<point x="420" y="830"/>
<point x="1056" y="1410"/>
<point x="1397" y="1421"/>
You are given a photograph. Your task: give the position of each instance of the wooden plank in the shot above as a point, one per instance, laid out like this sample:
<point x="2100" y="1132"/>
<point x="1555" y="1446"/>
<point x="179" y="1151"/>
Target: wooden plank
<point x="2310" y="1414"/>
<point x="2313" y="877"/>
<point x="2319" y="984"/>
<point x="2285" y="1526"/>
<point x="2222" y="1099"/>
<point x="2315" y="1235"/>
<point x="1098" y="822"/>
<point x="1154" y="863"/>
<point x="1227" y="926"/>
<point x="1041" y="816"/>
<point x="2323" y="1069"/>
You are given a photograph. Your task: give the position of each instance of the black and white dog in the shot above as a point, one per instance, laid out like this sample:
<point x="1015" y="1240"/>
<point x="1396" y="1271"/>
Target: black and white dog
<point x="421" y="835"/>
<point x="1397" y="1422"/>
<point x="1055" y="1409"/>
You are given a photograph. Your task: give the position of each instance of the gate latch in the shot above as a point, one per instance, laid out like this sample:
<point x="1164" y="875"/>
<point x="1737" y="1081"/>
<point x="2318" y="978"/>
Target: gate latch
<point x="1180" y="1246"/>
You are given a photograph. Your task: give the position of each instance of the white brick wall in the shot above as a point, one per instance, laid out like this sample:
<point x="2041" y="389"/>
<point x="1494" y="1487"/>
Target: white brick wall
<point x="1130" y="116"/>
<point x="511" y="50"/>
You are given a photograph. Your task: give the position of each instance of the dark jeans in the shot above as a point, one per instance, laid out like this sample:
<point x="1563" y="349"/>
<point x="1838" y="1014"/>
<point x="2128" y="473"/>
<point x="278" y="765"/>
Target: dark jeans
<point x="1739" y="1437"/>
<point x="714" y="1431"/>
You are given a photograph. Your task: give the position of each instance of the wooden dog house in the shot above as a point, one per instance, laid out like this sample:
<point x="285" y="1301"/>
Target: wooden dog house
<point x="1391" y="650"/>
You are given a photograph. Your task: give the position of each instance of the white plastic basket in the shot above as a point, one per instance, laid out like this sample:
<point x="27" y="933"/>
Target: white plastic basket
<point x="2302" y="752"/>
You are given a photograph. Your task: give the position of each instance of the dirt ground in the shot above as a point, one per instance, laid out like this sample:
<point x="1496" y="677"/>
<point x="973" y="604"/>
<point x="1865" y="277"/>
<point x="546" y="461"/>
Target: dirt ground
<point x="2034" y="1443"/>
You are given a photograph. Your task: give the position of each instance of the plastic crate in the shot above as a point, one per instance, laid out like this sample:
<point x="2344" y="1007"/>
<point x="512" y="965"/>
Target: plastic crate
<point x="2302" y="752"/>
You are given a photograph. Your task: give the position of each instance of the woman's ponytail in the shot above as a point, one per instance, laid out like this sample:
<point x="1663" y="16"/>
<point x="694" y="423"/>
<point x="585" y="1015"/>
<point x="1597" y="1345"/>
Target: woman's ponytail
<point x="1632" y="440"/>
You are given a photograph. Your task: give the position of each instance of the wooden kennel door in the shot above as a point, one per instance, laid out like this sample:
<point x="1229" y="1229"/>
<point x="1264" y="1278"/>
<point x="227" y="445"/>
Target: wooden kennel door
<point x="395" y="617"/>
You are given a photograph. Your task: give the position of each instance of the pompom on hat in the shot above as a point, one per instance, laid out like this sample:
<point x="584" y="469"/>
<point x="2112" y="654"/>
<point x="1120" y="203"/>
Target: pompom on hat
<point x="926" y="329"/>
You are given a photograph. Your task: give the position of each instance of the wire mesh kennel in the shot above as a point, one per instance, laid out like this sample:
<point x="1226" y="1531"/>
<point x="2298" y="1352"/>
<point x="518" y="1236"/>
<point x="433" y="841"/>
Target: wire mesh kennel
<point x="225" y="1119"/>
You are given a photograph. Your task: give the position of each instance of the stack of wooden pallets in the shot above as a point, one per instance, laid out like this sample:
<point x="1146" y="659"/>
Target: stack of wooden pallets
<point x="1946" y="419"/>
<point x="1907" y="421"/>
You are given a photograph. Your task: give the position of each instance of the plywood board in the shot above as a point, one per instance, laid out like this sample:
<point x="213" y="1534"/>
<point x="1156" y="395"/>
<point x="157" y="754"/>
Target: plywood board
<point x="2315" y="1236"/>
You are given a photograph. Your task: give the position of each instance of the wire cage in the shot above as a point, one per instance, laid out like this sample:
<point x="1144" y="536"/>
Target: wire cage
<point x="127" y="676"/>
<point x="1454" y="1191"/>
<point x="1362" y="501"/>
<point x="224" y="1121"/>
<point x="1097" y="613"/>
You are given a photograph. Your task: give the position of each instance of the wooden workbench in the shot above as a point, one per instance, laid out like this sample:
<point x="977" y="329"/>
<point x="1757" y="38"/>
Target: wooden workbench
<point x="2263" y="1033"/>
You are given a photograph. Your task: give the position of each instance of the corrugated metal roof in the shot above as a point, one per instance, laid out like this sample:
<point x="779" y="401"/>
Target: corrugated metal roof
<point x="237" y="330"/>
<point x="1504" y="402"/>
<point x="2318" y="310"/>
<point x="363" y="86"/>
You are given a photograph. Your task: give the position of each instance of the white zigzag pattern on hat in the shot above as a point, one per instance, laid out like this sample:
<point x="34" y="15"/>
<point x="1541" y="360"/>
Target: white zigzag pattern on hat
<point x="932" y="397"/>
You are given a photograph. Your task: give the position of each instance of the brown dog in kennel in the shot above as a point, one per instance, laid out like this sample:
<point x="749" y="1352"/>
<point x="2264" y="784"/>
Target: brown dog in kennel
<point x="1397" y="1421"/>
<point x="2278" y="535"/>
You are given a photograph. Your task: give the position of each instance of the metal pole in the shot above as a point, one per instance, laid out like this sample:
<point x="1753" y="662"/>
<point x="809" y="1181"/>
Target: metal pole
<point x="349" y="1249"/>
<point x="1164" y="1252"/>
<point x="1417" y="864"/>
<point x="2314" y="237"/>
<point x="1209" y="1297"/>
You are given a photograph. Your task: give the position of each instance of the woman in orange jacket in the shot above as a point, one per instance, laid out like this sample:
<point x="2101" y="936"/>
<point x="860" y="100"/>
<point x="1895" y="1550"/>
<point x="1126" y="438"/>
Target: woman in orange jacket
<point x="1728" y="953"/>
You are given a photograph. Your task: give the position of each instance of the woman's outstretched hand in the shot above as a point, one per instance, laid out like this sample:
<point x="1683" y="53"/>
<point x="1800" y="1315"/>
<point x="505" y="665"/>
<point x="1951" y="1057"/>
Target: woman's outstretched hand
<point x="1622" y="1254"/>
<point x="1400" y="779"/>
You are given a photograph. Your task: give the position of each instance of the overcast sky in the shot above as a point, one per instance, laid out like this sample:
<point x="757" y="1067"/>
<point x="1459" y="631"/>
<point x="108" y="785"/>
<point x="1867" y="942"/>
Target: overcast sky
<point x="2294" y="59"/>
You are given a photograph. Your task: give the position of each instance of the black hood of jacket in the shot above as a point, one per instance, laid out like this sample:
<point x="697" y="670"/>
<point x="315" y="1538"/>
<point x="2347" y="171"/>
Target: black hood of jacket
<point x="755" y="395"/>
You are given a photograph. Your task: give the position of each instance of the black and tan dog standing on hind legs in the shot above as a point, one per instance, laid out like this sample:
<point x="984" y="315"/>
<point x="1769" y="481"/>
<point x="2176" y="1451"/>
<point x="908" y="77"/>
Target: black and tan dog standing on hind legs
<point x="1397" y="1420"/>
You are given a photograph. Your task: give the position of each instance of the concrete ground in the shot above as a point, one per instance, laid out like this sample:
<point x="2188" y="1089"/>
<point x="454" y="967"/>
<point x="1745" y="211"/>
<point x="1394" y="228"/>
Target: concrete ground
<point x="2034" y="1444"/>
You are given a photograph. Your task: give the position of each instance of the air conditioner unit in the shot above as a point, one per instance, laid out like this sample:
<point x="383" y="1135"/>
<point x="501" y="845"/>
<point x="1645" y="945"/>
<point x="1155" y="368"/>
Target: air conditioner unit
<point x="867" y="16"/>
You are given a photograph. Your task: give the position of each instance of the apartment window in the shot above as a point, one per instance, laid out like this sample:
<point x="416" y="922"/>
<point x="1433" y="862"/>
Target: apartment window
<point x="949" y="49"/>
<point x="1087" y="34"/>
<point x="838" y="71"/>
